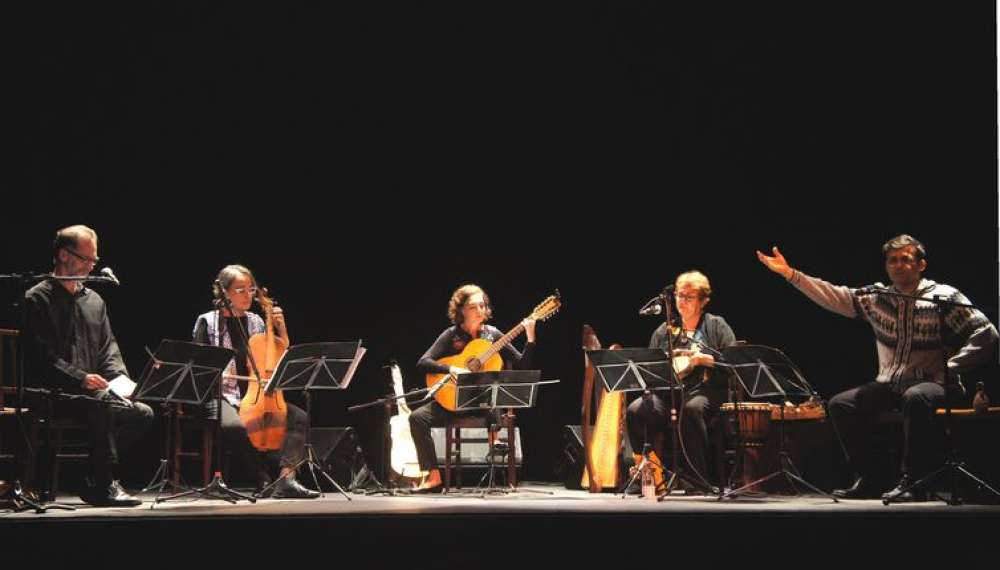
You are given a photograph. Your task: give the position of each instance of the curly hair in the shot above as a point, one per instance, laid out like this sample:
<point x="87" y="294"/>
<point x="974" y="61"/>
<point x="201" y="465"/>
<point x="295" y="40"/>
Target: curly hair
<point x="460" y="296"/>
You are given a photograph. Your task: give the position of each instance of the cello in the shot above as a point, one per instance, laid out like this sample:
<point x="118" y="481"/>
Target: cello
<point x="262" y="409"/>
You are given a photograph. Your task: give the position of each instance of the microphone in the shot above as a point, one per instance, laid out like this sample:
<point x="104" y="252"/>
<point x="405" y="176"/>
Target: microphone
<point x="868" y="290"/>
<point x="654" y="306"/>
<point x="107" y="272"/>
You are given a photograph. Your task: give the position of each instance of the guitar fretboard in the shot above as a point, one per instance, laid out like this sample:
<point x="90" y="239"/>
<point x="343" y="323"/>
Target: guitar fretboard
<point x="501" y="342"/>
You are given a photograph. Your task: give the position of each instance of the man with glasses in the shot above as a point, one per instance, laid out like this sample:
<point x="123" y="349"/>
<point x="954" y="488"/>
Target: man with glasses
<point x="909" y="346"/>
<point x="72" y="350"/>
<point x="700" y="338"/>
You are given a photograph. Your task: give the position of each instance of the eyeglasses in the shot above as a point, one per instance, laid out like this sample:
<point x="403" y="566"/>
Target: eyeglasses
<point x="475" y="306"/>
<point x="81" y="257"/>
<point x="242" y="290"/>
<point x="683" y="297"/>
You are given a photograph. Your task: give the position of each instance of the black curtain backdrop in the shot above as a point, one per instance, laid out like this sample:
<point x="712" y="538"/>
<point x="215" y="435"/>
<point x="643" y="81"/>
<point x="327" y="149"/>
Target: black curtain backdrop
<point x="366" y="160"/>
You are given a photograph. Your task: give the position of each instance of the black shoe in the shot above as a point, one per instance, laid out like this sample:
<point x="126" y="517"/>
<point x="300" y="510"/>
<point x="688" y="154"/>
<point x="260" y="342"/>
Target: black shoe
<point x="289" y="488"/>
<point x="861" y="489"/>
<point x="114" y="495"/>
<point x="898" y="495"/>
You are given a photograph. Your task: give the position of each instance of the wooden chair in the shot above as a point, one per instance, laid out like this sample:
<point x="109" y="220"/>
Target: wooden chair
<point x="454" y="440"/>
<point x="178" y="419"/>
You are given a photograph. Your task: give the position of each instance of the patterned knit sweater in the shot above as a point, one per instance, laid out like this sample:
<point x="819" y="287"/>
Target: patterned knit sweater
<point x="907" y="338"/>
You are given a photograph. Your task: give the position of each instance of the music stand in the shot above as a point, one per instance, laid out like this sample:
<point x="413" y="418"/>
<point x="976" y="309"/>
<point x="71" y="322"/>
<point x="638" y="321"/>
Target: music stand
<point x="477" y="391"/>
<point x="766" y="372"/>
<point x="167" y="378"/>
<point x="315" y="366"/>
<point x="640" y="370"/>
<point x="187" y="373"/>
<point x="632" y="369"/>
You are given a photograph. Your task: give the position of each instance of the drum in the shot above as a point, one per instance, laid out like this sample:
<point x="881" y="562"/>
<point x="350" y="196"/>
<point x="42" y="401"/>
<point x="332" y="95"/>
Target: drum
<point x="754" y="421"/>
<point x="811" y="409"/>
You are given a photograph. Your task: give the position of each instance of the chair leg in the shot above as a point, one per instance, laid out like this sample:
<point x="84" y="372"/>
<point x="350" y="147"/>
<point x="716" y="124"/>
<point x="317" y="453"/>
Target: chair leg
<point x="511" y="456"/>
<point x="174" y="446"/>
<point x="206" y="454"/>
<point x="448" y="441"/>
<point x="56" y="446"/>
<point x="30" y="469"/>
<point x="458" y="456"/>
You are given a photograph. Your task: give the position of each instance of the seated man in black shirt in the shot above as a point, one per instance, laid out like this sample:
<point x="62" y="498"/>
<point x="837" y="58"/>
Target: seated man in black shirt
<point x="71" y="349"/>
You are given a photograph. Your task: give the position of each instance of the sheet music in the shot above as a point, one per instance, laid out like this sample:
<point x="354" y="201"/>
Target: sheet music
<point x="122" y="385"/>
<point x="354" y="366"/>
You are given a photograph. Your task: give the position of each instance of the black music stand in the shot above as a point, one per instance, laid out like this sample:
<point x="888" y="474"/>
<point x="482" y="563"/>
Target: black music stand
<point x="168" y="379"/>
<point x="641" y="370"/>
<point x="188" y="373"/>
<point x="315" y="366"/>
<point x="766" y="372"/>
<point x="477" y="391"/>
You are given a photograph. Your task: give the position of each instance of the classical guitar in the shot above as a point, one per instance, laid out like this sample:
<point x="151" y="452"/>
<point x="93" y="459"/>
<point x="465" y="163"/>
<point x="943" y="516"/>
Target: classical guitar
<point x="482" y="356"/>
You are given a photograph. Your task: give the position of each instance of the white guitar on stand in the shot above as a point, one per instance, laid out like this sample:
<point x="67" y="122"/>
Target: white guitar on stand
<point x="403" y="458"/>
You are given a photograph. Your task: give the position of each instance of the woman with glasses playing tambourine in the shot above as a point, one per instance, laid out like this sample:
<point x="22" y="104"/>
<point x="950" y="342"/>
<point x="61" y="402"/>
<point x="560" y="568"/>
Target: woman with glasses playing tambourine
<point x="697" y="342"/>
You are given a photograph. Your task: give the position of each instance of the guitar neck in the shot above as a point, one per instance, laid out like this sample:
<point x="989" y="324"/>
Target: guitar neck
<point x="501" y="342"/>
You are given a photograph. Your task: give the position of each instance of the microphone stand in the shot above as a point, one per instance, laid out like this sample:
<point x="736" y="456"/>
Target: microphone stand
<point x="675" y="416"/>
<point x="388" y="402"/>
<point x="952" y="466"/>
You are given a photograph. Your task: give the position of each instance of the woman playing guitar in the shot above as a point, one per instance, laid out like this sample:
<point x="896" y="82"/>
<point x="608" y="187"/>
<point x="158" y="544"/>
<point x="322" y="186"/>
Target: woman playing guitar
<point x="468" y="310"/>
<point x="220" y="327"/>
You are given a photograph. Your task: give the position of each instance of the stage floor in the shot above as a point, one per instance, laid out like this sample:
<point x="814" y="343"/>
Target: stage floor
<point x="529" y="499"/>
<point x="540" y="521"/>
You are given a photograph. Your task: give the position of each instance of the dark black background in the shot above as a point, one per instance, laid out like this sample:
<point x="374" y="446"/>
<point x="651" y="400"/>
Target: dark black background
<point x="366" y="160"/>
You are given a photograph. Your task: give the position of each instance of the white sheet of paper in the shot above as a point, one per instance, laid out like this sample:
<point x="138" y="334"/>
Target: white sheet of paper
<point x="122" y="385"/>
<point x="354" y="366"/>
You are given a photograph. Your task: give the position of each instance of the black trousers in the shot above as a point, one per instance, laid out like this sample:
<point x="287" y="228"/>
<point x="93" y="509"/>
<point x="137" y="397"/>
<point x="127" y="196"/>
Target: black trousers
<point x="112" y="430"/>
<point x="237" y="442"/>
<point x="430" y="415"/>
<point x="648" y="420"/>
<point x="852" y="412"/>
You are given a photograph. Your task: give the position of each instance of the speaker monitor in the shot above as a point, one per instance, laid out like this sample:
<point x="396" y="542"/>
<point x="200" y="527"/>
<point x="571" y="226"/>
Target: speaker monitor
<point x="338" y="450"/>
<point x="572" y="460"/>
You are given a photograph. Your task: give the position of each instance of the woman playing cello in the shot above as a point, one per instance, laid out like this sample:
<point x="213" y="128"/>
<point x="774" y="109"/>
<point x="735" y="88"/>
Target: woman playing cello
<point x="220" y="327"/>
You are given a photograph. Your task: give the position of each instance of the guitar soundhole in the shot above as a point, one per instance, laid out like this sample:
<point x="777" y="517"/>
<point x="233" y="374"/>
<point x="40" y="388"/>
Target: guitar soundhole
<point x="473" y="365"/>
